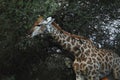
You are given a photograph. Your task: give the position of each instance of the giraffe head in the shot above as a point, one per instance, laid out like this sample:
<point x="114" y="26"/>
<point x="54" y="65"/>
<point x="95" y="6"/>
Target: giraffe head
<point x="41" y="26"/>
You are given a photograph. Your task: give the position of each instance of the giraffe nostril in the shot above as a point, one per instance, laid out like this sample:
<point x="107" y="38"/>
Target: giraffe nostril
<point x="29" y="33"/>
<point x="28" y="36"/>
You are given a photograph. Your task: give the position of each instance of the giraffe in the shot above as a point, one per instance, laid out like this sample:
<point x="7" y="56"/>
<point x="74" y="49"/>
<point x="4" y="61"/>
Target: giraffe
<point x="91" y="63"/>
<point x="117" y="68"/>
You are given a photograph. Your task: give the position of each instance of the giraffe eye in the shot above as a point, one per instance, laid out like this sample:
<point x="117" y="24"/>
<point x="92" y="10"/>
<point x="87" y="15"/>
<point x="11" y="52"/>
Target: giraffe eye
<point x="39" y="25"/>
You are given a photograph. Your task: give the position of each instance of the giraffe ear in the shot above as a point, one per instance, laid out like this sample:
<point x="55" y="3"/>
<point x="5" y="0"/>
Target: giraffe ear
<point x="50" y="20"/>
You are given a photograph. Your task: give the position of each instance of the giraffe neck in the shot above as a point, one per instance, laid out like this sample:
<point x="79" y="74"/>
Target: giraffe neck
<point x="73" y="43"/>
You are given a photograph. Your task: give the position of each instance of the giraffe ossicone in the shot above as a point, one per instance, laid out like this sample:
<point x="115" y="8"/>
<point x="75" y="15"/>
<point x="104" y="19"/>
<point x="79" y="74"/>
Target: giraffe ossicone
<point x="90" y="63"/>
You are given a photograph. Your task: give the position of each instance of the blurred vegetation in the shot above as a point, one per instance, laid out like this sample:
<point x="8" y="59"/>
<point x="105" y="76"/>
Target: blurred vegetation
<point x="22" y="58"/>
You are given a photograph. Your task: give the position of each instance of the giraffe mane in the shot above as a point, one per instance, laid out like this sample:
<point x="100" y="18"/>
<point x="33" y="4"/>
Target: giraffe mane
<point x="56" y="26"/>
<point x="69" y="34"/>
